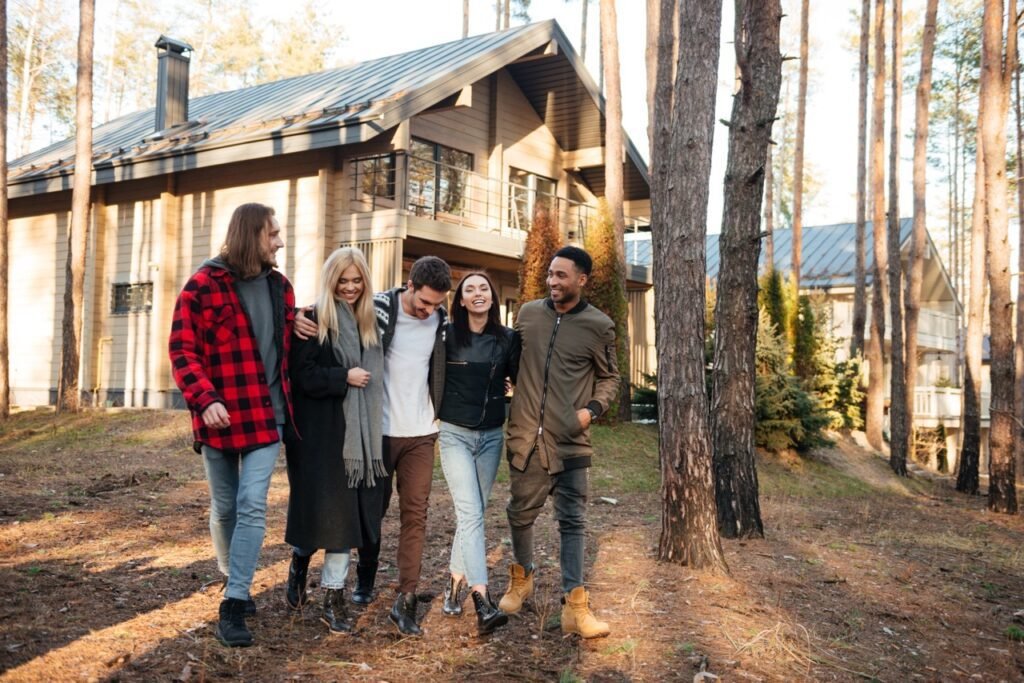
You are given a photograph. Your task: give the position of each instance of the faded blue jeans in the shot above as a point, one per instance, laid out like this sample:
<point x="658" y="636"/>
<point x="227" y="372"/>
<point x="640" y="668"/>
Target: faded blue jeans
<point x="238" y="510"/>
<point x="470" y="458"/>
<point x="335" y="569"/>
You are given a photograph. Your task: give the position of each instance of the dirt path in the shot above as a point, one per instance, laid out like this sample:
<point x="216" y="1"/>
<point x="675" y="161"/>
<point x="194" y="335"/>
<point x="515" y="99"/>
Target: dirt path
<point x="104" y="551"/>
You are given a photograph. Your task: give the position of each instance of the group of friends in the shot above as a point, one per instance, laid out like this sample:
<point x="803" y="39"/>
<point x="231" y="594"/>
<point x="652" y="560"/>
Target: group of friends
<point x="360" y="387"/>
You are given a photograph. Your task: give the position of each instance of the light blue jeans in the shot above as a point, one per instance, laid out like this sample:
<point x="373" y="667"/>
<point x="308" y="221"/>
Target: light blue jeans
<point x="238" y="511"/>
<point x="470" y="458"/>
<point x="335" y="569"/>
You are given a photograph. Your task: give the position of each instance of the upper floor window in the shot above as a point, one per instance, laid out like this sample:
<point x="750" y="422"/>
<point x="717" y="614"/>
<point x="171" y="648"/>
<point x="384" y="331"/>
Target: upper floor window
<point x="131" y="297"/>
<point x="438" y="178"/>
<point x="528" y="193"/>
<point x="376" y="176"/>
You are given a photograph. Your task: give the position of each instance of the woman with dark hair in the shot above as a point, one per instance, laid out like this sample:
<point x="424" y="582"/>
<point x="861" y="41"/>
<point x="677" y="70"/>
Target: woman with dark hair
<point x="481" y="355"/>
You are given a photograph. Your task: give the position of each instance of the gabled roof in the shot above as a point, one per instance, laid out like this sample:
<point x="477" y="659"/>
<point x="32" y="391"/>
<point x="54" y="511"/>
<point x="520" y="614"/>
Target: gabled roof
<point x="345" y="105"/>
<point x="829" y="253"/>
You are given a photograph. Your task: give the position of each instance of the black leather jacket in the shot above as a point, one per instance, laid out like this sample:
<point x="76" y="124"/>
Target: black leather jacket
<point x="474" y="386"/>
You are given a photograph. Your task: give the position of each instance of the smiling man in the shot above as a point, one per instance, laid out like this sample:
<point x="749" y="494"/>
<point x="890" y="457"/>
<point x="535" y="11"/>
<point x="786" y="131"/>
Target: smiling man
<point x="567" y="378"/>
<point x="411" y="320"/>
<point x="229" y="353"/>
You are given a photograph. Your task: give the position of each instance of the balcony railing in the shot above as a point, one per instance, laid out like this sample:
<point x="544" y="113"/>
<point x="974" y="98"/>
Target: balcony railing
<point x="944" y="403"/>
<point x="935" y="329"/>
<point x="443" y="192"/>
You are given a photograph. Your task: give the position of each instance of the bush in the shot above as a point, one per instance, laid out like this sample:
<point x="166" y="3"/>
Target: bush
<point x="542" y="241"/>
<point x="606" y="287"/>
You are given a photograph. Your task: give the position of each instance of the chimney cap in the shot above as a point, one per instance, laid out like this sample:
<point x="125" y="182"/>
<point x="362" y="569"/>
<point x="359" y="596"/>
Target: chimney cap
<point x="172" y="44"/>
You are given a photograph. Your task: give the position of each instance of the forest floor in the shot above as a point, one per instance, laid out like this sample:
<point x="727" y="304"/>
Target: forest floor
<point x="105" y="561"/>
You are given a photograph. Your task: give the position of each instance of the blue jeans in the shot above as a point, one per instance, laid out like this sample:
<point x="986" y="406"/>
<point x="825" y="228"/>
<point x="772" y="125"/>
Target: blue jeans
<point x="335" y="569"/>
<point x="469" y="458"/>
<point x="238" y="511"/>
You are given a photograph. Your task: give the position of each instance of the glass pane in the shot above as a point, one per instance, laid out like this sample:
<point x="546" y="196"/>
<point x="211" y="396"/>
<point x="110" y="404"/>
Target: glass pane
<point x="377" y="176"/>
<point x="519" y="204"/>
<point x="421" y="185"/>
<point x="453" y="170"/>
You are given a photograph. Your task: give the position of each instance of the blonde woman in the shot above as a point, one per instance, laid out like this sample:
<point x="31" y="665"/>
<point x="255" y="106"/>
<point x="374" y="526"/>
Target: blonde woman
<point x="336" y="469"/>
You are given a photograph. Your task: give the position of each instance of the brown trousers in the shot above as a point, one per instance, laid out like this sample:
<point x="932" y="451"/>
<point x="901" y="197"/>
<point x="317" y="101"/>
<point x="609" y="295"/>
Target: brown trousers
<point x="411" y="459"/>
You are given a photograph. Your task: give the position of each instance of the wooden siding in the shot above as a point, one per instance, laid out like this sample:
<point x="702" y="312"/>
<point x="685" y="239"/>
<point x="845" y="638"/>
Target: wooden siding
<point x="643" y="355"/>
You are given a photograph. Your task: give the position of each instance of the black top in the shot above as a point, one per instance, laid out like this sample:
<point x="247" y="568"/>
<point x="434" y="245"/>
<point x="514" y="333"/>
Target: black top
<point x="474" y="387"/>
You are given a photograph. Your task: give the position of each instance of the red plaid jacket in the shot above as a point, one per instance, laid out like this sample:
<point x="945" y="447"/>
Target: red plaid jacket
<point x="215" y="358"/>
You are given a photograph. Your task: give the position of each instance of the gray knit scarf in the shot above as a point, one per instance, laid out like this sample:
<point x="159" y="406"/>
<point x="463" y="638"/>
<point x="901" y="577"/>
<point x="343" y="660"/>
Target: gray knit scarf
<point x="363" y="407"/>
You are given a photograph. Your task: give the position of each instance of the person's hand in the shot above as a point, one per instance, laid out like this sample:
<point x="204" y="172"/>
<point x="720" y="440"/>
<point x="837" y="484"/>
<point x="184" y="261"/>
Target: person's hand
<point x="508" y="386"/>
<point x="304" y="327"/>
<point x="357" y="377"/>
<point x="583" y="415"/>
<point x="216" y="416"/>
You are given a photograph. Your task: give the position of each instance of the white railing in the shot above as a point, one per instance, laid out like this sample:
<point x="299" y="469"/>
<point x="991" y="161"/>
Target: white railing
<point x="935" y="329"/>
<point x="944" y="403"/>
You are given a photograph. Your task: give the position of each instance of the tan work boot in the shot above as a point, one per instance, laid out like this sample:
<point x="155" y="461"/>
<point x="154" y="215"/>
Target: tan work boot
<point x="520" y="587"/>
<point x="577" y="617"/>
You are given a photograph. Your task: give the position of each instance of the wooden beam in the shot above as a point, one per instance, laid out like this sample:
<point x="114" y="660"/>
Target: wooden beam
<point x="587" y="157"/>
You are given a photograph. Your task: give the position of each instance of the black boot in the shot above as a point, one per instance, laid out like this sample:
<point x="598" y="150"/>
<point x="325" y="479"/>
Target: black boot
<point x="366" y="575"/>
<point x="488" y="616"/>
<point x="297" y="596"/>
<point x="453" y="597"/>
<point x="335" y="615"/>
<point x="250" y="607"/>
<point x="231" y="629"/>
<point x="403" y="615"/>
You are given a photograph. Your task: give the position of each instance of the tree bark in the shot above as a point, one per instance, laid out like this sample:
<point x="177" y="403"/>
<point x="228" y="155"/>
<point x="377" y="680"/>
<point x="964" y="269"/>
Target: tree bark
<point x="898" y="437"/>
<point x="997" y="70"/>
<point x="5" y="375"/>
<point x="507" y="14"/>
<point x="68" y="394"/>
<point x="465" y="18"/>
<point x="970" y="451"/>
<point x="918" y="241"/>
<point x="798" y="154"/>
<point x="689" y="532"/>
<point x="880" y="269"/>
<point x="733" y="375"/>
<point x="583" y="31"/>
<point x="860" y="302"/>
<point x="1018" y="355"/>
<point x="769" y="206"/>
<point x="613" y="168"/>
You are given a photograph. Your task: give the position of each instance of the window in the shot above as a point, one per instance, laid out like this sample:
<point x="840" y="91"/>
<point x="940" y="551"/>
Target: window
<point x="438" y="178"/>
<point x="134" y="297"/>
<point x="528" y="193"/>
<point x="377" y="176"/>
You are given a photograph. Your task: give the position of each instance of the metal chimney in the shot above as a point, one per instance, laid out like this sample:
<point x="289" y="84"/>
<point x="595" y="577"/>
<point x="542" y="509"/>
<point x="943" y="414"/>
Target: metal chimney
<point x="171" y="82"/>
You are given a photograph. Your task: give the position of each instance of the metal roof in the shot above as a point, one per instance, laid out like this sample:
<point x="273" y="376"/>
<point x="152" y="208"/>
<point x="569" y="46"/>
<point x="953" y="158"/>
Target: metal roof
<point x="829" y="252"/>
<point x="339" y="106"/>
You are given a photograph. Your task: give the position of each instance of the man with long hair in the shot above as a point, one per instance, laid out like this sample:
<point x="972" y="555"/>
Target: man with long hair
<point x="229" y="353"/>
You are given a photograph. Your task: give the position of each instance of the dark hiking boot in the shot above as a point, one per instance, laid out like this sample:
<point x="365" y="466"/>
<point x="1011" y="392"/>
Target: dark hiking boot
<point x="366" y="575"/>
<point x="297" y="573"/>
<point x="453" y="597"/>
<point x="488" y="616"/>
<point x="403" y="615"/>
<point x="335" y="614"/>
<point x="231" y="629"/>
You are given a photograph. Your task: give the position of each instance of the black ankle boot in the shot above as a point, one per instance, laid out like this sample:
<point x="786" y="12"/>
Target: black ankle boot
<point x="403" y="615"/>
<point x="366" y="575"/>
<point x="297" y="572"/>
<point x="231" y="629"/>
<point x="335" y="614"/>
<point x="488" y="616"/>
<point x="453" y="597"/>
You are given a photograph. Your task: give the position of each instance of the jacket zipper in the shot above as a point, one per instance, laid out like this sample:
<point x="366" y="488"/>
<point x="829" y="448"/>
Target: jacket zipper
<point x="547" y="367"/>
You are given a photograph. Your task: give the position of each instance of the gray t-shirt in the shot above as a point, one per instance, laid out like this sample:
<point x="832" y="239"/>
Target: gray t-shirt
<point x="255" y="296"/>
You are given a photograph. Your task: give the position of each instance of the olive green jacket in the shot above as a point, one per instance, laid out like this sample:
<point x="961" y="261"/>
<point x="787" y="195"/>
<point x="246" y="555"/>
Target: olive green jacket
<point x="567" y="363"/>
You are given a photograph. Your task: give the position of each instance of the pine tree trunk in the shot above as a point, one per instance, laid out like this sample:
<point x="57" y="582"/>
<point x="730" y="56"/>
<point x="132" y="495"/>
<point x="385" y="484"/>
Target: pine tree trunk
<point x="897" y="386"/>
<point x="465" y="18"/>
<point x="689" y="532"/>
<point x="5" y="375"/>
<point x="26" y="103"/>
<point x="732" y="405"/>
<point x="918" y="242"/>
<point x="798" y="155"/>
<point x="507" y="14"/>
<point x="583" y="30"/>
<point x="860" y="302"/>
<point x="996" y="70"/>
<point x="970" y="451"/>
<point x="68" y="394"/>
<point x="613" y="172"/>
<point x="1018" y="354"/>
<point x="769" y="206"/>
<point x="879" y="273"/>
